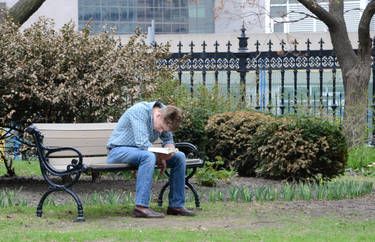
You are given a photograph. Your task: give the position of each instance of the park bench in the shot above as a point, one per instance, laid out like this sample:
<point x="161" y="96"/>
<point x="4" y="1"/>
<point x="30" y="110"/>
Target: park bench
<point x="67" y="150"/>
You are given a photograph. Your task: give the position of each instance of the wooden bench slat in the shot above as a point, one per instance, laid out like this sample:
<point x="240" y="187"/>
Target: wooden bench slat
<point x="75" y="134"/>
<point x="86" y="160"/>
<point x="97" y="166"/>
<point x="81" y="142"/>
<point x="75" y="126"/>
<point x="98" y="162"/>
<point x="86" y="151"/>
<point x="76" y="142"/>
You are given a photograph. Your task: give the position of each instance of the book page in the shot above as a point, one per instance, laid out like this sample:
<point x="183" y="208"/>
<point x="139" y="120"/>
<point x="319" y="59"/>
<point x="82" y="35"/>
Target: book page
<point x="162" y="150"/>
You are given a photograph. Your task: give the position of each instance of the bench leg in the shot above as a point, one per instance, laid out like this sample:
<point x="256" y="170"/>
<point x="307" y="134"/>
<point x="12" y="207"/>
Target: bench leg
<point x="160" y="199"/>
<point x="196" y="196"/>
<point x="39" y="209"/>
<point x="189" y="185"/>
<point x="95" y="177"/>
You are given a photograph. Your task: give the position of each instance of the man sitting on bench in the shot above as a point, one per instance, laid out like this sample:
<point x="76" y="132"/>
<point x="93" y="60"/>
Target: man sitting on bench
<point x="137" y="128"/>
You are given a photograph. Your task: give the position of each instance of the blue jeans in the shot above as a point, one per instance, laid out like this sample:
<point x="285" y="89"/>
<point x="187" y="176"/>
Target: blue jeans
<point x="146" y="161"/>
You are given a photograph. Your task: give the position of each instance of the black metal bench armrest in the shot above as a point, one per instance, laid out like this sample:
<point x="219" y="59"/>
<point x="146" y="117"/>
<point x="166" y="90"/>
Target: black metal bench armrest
<point x="189" y="149"/>
<point x="73" y="167"/>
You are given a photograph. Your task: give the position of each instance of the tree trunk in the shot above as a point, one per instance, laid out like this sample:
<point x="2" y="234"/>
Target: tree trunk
<point x="356" y="71"/>
<point x="24" y="9"/>
<point x="355" y="67"/>
<point x="356" y="98"/>
<point x="356" y="78"/>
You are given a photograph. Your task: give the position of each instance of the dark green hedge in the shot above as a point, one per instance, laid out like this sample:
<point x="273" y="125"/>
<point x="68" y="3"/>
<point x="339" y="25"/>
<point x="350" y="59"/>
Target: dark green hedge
<point x="257" y="144"/>
<point x="299" y="148"/>
<point x="230" y="135"/>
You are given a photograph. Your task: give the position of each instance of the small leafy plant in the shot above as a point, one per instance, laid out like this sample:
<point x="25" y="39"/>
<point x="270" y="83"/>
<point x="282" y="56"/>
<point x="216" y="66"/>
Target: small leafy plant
<point x="12" y="198"/>
<point x="361" y="160"/>
<point x="234" y="194"/>
<point x="212" y="172"/>
<point x="304" y="191"/>
<point x="246" y="195"/>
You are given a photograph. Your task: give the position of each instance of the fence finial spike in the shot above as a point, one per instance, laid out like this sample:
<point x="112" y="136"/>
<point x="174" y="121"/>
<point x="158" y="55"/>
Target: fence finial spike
<point x="243" y="29"/>
<point x="243" y="39"/>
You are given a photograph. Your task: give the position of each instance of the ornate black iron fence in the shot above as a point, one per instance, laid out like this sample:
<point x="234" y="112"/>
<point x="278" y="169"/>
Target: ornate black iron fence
<point x="301" y="75"/>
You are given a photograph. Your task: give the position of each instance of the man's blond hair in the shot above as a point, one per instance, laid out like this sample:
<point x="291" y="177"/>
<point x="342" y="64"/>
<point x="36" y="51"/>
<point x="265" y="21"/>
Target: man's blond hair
<point x="172" y="117"/>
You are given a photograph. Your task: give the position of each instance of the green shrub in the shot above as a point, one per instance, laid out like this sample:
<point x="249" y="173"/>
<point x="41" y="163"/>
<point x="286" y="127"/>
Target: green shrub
<point x="278" y="148"/>
<point x="299" y="149"/>
<point x="70" y="76"/>
<point x="230" y="136"/>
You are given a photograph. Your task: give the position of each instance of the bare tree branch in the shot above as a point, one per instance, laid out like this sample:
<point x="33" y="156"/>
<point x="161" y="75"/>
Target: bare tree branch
<point x="305" y="16"/>
<point x="23" y="9"/>
<point x="320" y="12"/>
<point x="353" y="9"/>
<point x="364" y="25"/>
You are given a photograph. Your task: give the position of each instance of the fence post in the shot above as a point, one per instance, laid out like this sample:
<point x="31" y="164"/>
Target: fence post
<point x="191" y="68"/>
<point x="269" y="105"/>
<point x="373" y="93"/>
<point x="179" y="63"/>
<point x="308" y="42"/>
<point x="204" y="72"/>
<point x="242" y="54"/>
<point x="216" y="70"/>
<point x="257" y="107"/>
<point x="334" y="106"/>
<point x="228" y="56"/>
<point x="295" y="73"/>
<point x="321" y="42"/>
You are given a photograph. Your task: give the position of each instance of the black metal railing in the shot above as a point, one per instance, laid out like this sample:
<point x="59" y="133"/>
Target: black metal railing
<point x="307" y="79"/>
<point x="267" y="63"/>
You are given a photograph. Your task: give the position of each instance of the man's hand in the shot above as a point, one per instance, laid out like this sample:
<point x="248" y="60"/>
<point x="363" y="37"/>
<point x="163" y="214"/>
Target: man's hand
<point x="162" y="158"/>
<point x="169" y="146"/>
<point x="162" y="164"/>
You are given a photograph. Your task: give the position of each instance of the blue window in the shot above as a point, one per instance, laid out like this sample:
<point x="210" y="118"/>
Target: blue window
<point x="170" y="16"/>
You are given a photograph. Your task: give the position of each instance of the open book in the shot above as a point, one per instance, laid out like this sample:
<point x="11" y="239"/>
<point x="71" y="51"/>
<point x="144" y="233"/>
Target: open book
<point x="163" y="150"/>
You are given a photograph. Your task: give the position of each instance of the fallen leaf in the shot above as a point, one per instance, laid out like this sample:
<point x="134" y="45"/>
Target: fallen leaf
<point x="200" y="227"/>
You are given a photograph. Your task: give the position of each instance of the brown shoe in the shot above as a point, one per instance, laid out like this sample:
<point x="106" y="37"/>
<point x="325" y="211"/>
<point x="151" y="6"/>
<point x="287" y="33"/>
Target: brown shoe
<point x="149" y="213"/>
<point x="180" y="211"/>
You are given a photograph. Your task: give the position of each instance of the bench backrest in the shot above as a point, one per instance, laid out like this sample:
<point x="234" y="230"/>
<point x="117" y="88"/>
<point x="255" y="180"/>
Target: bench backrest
<point x="89" y="138"/>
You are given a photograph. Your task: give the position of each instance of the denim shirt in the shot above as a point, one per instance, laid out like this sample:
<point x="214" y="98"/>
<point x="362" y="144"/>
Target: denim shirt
<point x="136" y="128"/>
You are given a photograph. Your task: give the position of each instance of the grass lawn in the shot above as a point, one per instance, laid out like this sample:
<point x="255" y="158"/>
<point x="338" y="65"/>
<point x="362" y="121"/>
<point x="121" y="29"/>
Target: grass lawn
<point x="229" y="221"/>
<point x="23" y="168"/>
<point x="337" y="220"/>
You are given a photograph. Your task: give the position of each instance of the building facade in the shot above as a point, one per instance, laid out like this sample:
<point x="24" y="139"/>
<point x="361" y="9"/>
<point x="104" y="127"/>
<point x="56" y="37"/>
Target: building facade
<point x="178" y="16"/>
<point x="191" y="16"/>
<point x="286" y="16"/>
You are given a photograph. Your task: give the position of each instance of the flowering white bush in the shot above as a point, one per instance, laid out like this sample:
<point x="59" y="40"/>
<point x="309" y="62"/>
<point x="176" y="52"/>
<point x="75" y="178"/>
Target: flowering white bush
<point x="68" y="76"/>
